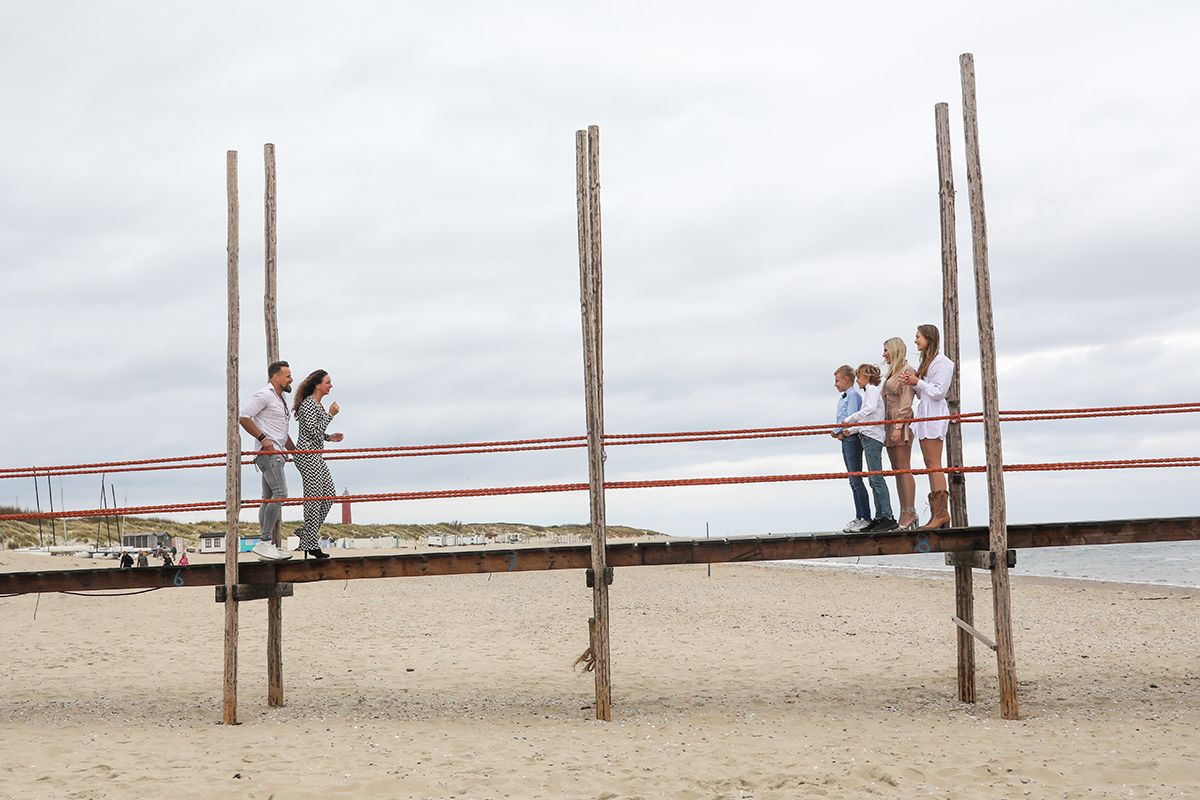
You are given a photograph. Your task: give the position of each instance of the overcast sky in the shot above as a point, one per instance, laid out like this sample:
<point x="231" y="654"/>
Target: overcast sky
<point x="770" y="211"/>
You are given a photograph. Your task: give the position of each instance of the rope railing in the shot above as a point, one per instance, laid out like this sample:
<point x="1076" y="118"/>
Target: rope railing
<point x="441" y="494"/>
<point x="571" y="442"/>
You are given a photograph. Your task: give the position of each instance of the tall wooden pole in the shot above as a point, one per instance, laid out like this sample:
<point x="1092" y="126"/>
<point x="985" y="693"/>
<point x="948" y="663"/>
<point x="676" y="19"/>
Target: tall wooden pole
<point x="998" y="525"/>
<point x="270" y="315"/>
<point x="964" y="590"/>
<point x="233" y="446"/>
<point x="269" y="245"/>
<point x="587" y="177"/>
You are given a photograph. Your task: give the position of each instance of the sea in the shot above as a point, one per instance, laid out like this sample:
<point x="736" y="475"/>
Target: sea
<point x="1154" y="563"/>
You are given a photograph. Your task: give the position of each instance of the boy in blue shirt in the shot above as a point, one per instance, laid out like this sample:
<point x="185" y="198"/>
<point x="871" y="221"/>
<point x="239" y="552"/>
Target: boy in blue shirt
<point x="852" y="449"/>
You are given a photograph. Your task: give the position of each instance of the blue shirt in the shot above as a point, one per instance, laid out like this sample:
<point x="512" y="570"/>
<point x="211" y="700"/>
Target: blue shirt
<point x="848" y="403"/>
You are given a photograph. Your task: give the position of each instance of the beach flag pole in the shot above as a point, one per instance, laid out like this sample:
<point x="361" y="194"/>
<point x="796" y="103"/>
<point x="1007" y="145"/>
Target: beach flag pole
<point x="964" y="590"/>
<point x="271" y="317"/>
<point x="587" y="181"/>
<point x="997" y="517"/>
<point x="233" y="466"/>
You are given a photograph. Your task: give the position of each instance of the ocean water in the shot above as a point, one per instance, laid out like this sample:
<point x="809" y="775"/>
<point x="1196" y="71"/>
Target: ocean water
<point x="1157" y="563"/>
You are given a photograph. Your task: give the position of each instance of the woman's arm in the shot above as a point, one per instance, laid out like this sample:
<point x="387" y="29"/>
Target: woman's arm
<point x="936" y="382"/>
<point x="313" y="419"/>
<point x="907" y="395"/>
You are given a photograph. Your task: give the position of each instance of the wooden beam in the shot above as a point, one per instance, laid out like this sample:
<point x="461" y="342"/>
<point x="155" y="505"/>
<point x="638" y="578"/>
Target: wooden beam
<point x="233" y="447"/>
<point x="964" y="590"/>
<point x="255" y="591"/>
<point x="979" y="559"/>
<point x="971" y="630"/>
<point x="587" y="176"/>
<point x="1006" y="662"/>
<point x="271" y="318"/>
<point x="621" y="554"/>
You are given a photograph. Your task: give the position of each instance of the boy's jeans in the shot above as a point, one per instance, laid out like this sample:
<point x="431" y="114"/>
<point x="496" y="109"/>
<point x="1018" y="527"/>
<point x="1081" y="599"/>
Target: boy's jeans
<point x="852" y="454"/>
<point x="873" y="451"/>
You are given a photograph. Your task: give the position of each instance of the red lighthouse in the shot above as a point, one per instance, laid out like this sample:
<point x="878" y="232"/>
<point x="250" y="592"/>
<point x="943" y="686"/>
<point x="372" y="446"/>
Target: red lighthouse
<point x="346" y="509"/>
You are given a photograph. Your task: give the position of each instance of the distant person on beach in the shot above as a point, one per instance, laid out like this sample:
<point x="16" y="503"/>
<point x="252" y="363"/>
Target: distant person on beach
<point x="850" y="401"/>
<point x="142" y="561"/>
<point x="867" y="377"/>
<point x="314" y="419"/>
<point x="183" y="559"/>
<point x="931" y="383"/>
<point x="166" y="558"/>
<point x="265" y="417"/>
<point x="897" y="404"/>
<point x="126" y="561"/>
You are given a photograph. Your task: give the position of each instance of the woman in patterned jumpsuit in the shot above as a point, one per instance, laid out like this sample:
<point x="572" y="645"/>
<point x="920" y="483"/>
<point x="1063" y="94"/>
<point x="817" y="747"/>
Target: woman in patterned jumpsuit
<point x="314" y="419"/>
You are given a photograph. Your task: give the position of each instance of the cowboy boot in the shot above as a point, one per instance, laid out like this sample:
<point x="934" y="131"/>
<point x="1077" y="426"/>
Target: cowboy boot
<point x="939" y="507"/>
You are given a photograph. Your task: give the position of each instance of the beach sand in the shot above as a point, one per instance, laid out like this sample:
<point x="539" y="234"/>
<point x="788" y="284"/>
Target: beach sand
<point x="759" y="682"/>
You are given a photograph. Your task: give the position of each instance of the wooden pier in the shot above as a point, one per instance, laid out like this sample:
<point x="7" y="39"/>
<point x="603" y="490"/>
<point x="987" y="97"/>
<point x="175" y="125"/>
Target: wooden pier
<point x="621" y="554"/>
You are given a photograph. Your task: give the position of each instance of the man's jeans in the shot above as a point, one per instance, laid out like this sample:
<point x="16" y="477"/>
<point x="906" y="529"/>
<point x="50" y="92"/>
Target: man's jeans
<point x="273" y="485"/>
<point x="873" y="451"/>
<point x="852" y="454"/>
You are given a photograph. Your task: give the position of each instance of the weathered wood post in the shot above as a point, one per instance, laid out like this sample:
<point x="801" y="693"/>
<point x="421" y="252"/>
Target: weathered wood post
<point x="233" y="447"/>
<point x="587" y="178"/>
<point x="997" y="522"/>
<point x="964" y="591"/>
<point x="274" y="604"/>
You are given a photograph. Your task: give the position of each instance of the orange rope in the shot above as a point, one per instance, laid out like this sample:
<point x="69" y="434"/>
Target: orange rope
<point x="433" y="494"/>
<point x="570" y="442"/>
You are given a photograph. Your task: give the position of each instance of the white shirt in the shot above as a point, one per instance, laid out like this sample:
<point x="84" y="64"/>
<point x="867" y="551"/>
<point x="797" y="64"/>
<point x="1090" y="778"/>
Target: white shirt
<point x="871" y="411"/>
<point x="270" y="414"/>
<point x="931" y="398"/>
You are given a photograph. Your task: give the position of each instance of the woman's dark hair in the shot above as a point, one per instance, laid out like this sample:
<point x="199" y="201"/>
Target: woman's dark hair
<point x="306" y="389"/>
<point x="932" y="340"/>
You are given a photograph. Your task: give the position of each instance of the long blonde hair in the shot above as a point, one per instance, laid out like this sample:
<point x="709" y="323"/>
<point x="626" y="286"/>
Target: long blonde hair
<point x="897" y="352"/>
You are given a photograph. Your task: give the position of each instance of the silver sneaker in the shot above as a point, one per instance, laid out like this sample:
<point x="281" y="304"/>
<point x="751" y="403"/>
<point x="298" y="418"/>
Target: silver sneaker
<point x="269" y="552"/>
<point x="856" y="525"/>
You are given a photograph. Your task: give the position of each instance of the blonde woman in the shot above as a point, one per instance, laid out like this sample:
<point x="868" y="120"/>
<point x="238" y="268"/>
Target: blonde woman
<point x="897" y="404"/>
<point x="931" y="383"/>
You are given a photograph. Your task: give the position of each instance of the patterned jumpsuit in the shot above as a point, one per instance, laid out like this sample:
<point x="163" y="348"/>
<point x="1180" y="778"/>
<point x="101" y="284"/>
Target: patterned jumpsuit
<point x="317" y="480"/>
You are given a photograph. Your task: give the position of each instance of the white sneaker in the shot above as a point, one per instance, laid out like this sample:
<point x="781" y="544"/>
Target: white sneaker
<point x="856" y="525"/>
<point x="269" y="552"/>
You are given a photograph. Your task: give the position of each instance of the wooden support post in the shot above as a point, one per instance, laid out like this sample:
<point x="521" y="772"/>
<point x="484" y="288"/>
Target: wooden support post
<point x="233" y="447"/>
<point x="997" y="522"/>
<point x="587" y="177"/>
<point x="274" y="604"/>
<point x="964" y="590"/>
<point x="270" y="314"/>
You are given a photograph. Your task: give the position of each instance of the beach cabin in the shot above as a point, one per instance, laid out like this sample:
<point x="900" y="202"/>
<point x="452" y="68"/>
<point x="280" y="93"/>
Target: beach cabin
<point x="152" y="541"/>
<point x="215" y="543"/>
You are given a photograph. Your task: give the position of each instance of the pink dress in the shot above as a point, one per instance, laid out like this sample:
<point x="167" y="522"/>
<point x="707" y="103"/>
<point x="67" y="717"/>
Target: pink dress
<point x="897" y="404"/>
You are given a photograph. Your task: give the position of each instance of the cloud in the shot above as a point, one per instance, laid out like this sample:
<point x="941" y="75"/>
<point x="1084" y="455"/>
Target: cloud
<point x="770" y="211"/>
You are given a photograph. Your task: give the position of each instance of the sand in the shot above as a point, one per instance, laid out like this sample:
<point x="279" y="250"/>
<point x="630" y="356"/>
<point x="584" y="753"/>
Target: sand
<point x="759" y="682"/>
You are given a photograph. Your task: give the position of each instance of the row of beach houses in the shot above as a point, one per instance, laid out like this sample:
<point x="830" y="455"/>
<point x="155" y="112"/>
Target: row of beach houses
<point x="215" y="542"/>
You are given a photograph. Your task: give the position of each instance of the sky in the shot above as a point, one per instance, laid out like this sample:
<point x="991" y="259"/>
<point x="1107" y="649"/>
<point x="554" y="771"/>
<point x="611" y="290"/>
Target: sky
<point x="770" y="211"/>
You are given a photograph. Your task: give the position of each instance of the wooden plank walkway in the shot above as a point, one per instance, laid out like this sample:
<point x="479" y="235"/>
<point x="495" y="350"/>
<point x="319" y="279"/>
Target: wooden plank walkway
<point x="623" y="554"/>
